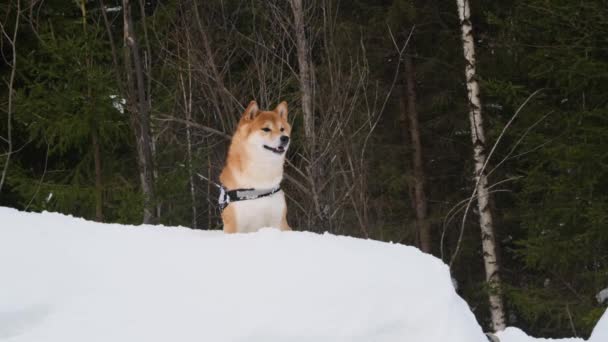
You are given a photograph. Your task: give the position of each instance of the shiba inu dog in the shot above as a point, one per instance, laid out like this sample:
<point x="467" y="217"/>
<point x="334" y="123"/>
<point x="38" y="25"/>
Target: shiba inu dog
<point x="251" y="197"/>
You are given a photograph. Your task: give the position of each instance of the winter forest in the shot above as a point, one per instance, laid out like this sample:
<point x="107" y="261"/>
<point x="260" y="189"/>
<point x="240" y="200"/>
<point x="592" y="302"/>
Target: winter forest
<point x="476" y="130"/>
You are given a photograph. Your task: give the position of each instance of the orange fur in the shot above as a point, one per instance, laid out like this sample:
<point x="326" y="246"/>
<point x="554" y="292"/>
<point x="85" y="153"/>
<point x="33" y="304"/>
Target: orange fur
<point x="249" y="165"/>
<point x="229" y="219"/>
<point x="284" y="224"/>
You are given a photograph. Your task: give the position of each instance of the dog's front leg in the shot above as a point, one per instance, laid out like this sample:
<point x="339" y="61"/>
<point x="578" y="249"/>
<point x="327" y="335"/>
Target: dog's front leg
<point x="229" y="220"/>
<point x="284" y="224"/>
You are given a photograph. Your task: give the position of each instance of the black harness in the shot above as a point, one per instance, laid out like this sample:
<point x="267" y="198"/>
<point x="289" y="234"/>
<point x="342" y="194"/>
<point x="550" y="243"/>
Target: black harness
<point x="228" y="196"/>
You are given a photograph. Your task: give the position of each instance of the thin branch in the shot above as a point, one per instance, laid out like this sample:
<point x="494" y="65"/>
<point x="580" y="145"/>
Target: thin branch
<point x="470" y="200"/>
<point x="299" y="185"/>
<point x="196" y="125"/>
<point x="521" y="138"/>
<point x="458" y="208"/>
<point x="390" y="91"/>
<point x="9" y="119"/>
<point x="46" y="161"/>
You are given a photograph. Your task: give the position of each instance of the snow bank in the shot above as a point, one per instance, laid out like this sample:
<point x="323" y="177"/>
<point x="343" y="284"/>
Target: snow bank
<point x="602" y="296"/>
<point x="600" y="332"/>
<point x="66" y="279"/>
<point x="511" y="334"/>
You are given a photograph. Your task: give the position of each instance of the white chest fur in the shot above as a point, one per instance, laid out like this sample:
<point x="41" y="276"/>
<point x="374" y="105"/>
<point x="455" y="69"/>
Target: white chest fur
<point x="251" y="215"/>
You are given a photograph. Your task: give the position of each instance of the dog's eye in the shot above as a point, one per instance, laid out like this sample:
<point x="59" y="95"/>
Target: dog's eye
<point x="282" y="129"/>
<point x="266" y="129"/>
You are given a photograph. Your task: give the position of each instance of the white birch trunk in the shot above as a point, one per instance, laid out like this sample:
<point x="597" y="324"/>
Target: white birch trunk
<point x="479" y="156"/>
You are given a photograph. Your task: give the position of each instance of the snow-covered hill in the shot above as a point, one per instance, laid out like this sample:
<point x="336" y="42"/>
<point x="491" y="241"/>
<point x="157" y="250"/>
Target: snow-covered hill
<point x="511" y="334"/>
<point x="66" y="279"/>
<point x="600" y="333"/>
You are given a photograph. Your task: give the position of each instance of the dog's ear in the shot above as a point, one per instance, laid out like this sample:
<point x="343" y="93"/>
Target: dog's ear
<point x="282" y="110"/>
<point x="251" y="111"/>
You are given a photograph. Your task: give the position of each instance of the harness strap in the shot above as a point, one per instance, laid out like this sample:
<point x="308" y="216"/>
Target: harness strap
<point x="228" y="196"/>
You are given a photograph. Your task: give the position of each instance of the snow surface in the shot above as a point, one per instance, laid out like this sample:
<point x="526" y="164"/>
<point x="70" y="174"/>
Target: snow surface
<point x="511" y="334"/>
<point x="602" y="296"/>
<point x="67" y="279"/>
<point x="600" y="332"/>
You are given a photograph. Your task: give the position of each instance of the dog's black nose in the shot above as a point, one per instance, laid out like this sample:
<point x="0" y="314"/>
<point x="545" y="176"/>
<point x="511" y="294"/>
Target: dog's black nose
<point x="284" y="139"/>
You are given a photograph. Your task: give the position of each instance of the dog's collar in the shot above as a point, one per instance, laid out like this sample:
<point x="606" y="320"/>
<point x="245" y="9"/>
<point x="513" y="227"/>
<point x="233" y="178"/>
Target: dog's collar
<point x="228" y="196"/>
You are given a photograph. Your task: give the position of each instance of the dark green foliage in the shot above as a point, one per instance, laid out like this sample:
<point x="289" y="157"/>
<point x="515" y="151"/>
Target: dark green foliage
<point x="65" y="96"/>
<point x="551" y="208"/>
<point x="557" y="217"/>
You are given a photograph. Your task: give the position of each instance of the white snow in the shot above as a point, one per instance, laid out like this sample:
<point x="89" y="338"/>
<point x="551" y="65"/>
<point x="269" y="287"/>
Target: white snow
<point x="511" y="334"/>
<point x="66" y="279"/>
<point x="113" y="9"/>
<point x="600" y="332"/>
<point x="118" y="103"/>
<point x="602" y="296"/>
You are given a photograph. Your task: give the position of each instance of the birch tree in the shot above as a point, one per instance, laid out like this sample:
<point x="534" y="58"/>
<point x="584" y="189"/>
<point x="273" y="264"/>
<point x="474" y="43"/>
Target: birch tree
<point x="481" y="182"/>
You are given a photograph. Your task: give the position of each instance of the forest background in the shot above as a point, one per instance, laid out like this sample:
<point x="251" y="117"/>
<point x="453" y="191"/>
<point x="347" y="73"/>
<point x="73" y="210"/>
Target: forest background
<point x="121" y="111"/>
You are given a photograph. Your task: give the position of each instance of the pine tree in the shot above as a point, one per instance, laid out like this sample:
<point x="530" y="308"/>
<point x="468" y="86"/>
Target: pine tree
<point x="65" y="104"/>
<point x="557" y="220"/>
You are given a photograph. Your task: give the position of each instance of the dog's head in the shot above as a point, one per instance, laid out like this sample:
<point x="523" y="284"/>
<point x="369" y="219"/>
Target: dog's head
<point x="266" y="133"/>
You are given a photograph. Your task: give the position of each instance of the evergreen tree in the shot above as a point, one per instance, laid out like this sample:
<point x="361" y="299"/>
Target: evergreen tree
<point x="558" y="221"/>
<point x="68" y="103"/>
<point x="73" y="148"/>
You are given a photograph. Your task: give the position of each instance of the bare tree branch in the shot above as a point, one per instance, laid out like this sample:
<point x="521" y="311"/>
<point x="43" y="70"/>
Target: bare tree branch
<point x="9" y="119"/>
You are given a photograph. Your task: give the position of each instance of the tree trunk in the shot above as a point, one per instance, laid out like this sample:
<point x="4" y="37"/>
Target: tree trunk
<point x="217" y="89"/>
<point x="98" y="178"/>
<point x="94" y="133"/>
<point x="316" y="167"/>
<point x="209" y="207"/>
<point x="191" y="174"/>
<point x="479" y="157"/>
<point x="187" y="97"/>
<point x="140" y="116"/>
<point x="420" y="203"/>
<point x="304" y="69"/>
<point x="9" y="117"/>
